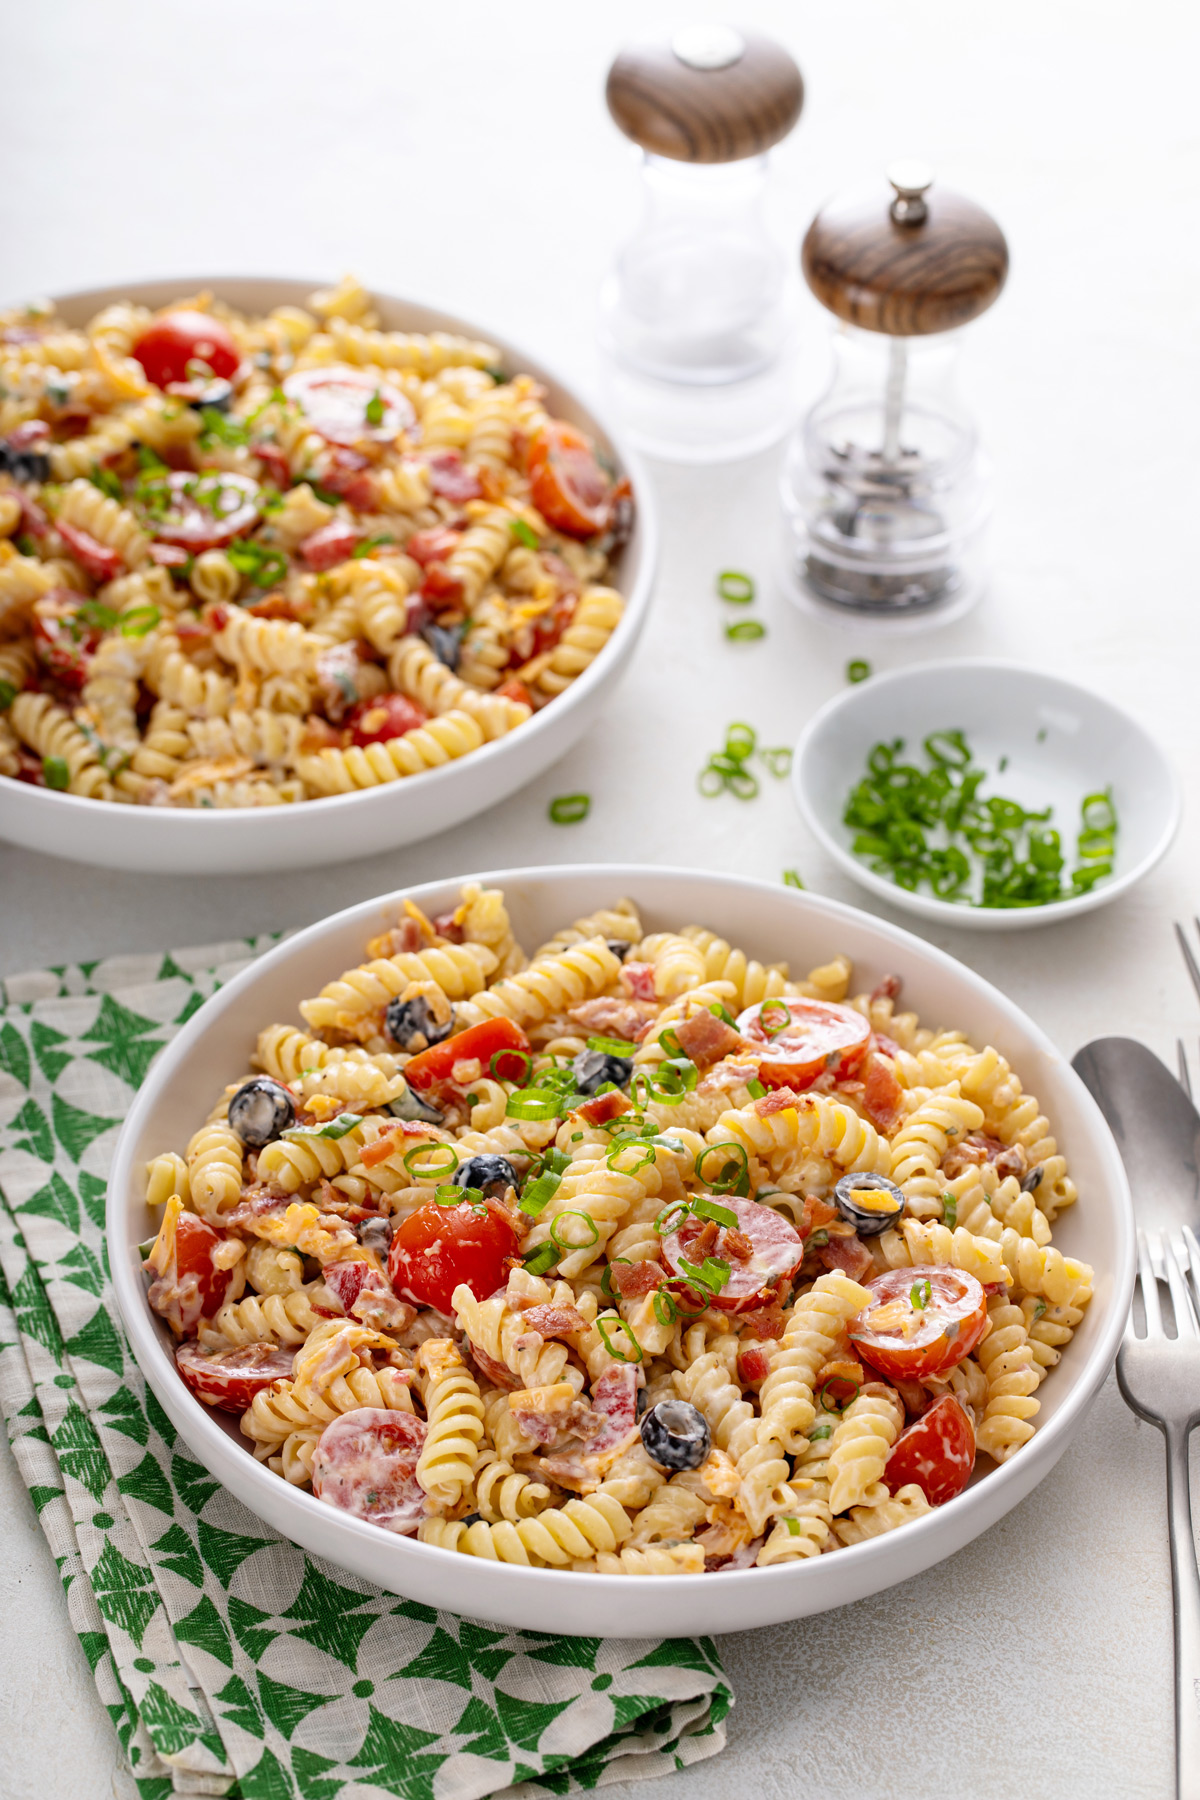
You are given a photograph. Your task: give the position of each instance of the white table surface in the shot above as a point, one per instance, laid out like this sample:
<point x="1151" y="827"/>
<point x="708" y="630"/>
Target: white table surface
<point x="462" y="154"/>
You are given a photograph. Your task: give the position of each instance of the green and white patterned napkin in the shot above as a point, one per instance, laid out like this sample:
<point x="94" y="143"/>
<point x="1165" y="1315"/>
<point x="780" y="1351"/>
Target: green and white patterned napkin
<point x="229" y="1660"/>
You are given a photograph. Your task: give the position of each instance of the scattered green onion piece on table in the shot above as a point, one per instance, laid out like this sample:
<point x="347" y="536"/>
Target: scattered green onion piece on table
<point x="857" y="671"/>
<point x="791" y="878"/>
<point x="570" y="809"/>
<point x="736" y="588"/>
<point x="745" y="631"/>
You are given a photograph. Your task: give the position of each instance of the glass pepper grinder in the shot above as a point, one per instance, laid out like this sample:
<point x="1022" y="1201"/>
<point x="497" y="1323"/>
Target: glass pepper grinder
<point x="697" y="317"/>
<point x="885" y="488"/>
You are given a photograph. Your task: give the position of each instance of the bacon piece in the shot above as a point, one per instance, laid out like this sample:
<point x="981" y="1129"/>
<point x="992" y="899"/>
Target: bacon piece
<point x="724" y="1076"/>
<point x="447" y="926"/>
<point x="978" y="1148"/>
<point x="543" y="1412"/>
<point x="391" y="1140"/>
<point x="449" y="476"/>
<point x="763" y="1322"/>
<point x="704" y="1242"/>
<point x="603" y="1108"/>
<point x="816" y="1215"/>
<point x="707" y="1039"/>
<point x="849" y="1254"/>
<point x="366" y="1295"/>
<point x="881" y="1094"/>
<point x="101" y="562"/>
<point x="637" y="978"/>
<point x="553" y="1321"/>
<point x="401" y="940"/>
<point x="737" y="1245"/>
<point x="633" y="1279"/>
<point x="888" y="988"/>
<point x="259" y="1201"/>
<point x="778" y="1100"/>
<point x="754" y="1364"/>
<point x="885" y="1045"/>
<point x="613" y="1017"/>
<point x="496" y="1372"/>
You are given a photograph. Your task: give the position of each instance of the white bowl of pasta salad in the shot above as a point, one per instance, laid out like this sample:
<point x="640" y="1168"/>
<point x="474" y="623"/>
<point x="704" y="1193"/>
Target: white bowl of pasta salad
<point x="537" y="1245"/>
<point x="290" y="577"/>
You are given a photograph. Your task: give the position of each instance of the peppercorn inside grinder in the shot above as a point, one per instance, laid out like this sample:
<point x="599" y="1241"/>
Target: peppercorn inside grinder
<point x="885" y="489"/>
<point x="697" y="318"/>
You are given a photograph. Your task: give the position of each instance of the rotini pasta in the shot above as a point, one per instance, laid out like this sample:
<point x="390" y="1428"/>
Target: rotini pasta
<point x="376" y="544"/>
<point x="467" y="1281"/>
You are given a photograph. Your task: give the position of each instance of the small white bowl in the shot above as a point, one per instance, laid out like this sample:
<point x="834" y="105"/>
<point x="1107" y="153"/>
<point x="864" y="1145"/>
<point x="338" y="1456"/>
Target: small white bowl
<point x="250" y="840"/>
<point x="1061" y="741"/>
<point x="770" y="922"/>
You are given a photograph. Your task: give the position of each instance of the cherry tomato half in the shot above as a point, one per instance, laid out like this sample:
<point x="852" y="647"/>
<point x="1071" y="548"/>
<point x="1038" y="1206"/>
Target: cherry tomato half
<point x="937" y="1452"/>
<point x="195" y="1242"/>
<point x="921" y="1322"/>
<point x="365" y="1462"/>
<point x="566" y="483"/>
<point x="817" y="1036"/>
<point x="439" y="1246"/>
<point x="775" y="1248"/>
<point x="176" y="340"/>
<point x="200" y="512"/>
<point x="229" y="1379"/>
<point x="390" y="716"/>
<point x="478" y="1041"/>
<point x="349" y="407"/>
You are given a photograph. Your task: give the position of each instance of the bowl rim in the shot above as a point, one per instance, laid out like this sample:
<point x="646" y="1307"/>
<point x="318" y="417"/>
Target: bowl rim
<point x="217" y="1447"/>
<point x="929" y="906"/>
<point x="628" y="628"/>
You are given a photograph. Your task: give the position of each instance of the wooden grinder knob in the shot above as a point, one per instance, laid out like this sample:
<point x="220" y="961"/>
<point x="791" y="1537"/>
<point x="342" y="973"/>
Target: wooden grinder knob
<point x="927" y="261"/>
<point x="709" y="94"/>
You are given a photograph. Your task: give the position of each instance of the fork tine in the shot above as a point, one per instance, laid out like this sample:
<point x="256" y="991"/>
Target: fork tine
<point x="1181" y="1300"/>
<point x="1154" y="1324"/>
<point x="1185" y="1080"/>
<point x="1193" y="968"/>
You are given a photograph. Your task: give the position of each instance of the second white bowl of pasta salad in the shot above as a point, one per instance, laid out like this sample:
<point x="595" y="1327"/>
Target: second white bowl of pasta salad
<point x="290" y="576"/>
<point x="539" y="1246"/>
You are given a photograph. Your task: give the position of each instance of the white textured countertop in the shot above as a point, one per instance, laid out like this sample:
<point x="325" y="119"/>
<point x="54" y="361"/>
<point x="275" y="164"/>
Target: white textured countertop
<point x="463" y="155"/>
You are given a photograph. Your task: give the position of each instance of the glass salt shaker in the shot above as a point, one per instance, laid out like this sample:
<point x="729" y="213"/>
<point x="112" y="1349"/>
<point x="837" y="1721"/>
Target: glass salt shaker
<point x="885" y="488"/>
<point x="697" y="318"/>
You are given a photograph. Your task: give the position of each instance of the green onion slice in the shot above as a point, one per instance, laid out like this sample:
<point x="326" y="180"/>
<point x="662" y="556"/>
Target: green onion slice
<point x="919" y="1295"/>
<point x="745" y="631"/>
<point x="738" y="1182"/>
<point x="710" y="1276"/>
<point x="524" y="533"/>
<point x="774" y="1016"/>
<point x="610" y="1319"/>
<point x="611" y="1046"/>
<point x="55" y="773"/>
<point x="524" y="1065"/>
<point x="332" y="1128"/>
<point x="708" y="1209"/>
<point x="565" y="1243"/>
<point x="857" y="670"/>
<point x="666" y="1311"/>
<point x="540" y="1260"/>
<point x="535" y="1105"/>
<point x="736" y="588"/>
<point x="539" y="1193"/>
<point x="8" y="694"/>
<point x="445" y="1161"/>
<point x="570" y="809"/>
<point x="949" y="1210"/>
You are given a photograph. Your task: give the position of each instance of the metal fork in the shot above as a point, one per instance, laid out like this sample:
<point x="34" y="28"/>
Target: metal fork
<point x="1160" y="1379"/>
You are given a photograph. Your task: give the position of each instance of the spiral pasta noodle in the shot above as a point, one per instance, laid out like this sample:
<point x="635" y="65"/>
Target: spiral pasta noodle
<point x="648" y="1355"/>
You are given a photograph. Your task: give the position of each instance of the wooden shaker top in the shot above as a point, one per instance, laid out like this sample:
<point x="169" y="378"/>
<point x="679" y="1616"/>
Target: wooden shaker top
<point x="921" y="261"/>
<point x="709" y="94"/>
